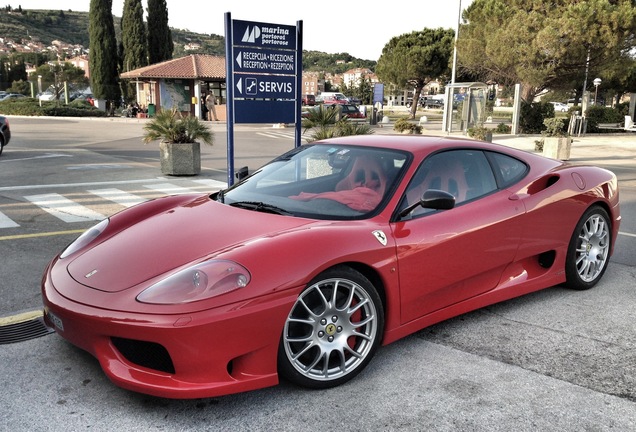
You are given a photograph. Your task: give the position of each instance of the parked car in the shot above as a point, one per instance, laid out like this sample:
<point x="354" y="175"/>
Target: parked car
<point x="305" y="267"/>
<point x="348" y="110"/>
<point x="309" y="100"/>
<point x="426" y="102"/>
<point x="352" y="111"/>
<point x="332" y="98"/>
<point x="560" y="107"/>
<point x="354" y="100"/>
<point x="433" y="103"/>
<point x="5" y="133"/>
<point x="11" y="96"/>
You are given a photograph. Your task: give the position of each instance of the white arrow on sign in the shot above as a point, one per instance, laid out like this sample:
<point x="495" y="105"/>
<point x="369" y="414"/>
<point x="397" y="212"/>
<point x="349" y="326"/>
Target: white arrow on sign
<point x="239" y="85"/>
<point x="239" y="59"/>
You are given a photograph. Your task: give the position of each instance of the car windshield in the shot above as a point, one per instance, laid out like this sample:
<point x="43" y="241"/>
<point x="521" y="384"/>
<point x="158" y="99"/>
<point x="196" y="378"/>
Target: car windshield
<point x="322" y="181"/>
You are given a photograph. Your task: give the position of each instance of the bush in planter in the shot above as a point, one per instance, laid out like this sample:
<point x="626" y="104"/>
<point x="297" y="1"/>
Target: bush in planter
<point x="179" y="136"/>
<point x="481" y="133"/>
<point x="556" y="142"/>
<point x="403" y="125"/>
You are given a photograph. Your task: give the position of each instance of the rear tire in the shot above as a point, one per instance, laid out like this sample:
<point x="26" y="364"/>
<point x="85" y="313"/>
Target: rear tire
<point x="588" y="251"/>
<point x="332" y="331"/>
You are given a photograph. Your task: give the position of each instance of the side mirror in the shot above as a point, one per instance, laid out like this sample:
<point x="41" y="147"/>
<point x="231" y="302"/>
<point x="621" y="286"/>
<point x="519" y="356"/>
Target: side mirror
<point x="432" y="199"/>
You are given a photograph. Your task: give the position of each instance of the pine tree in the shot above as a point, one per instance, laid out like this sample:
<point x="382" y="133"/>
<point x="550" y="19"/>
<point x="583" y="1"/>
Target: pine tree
<point x="133" y="47"/>
<point x="103" y="52"/>
<point x="160" y="45"/>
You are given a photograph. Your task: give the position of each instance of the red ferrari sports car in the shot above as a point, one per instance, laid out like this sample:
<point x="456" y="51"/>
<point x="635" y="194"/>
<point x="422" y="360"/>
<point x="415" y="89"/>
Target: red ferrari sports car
<point x="304" y="268"/>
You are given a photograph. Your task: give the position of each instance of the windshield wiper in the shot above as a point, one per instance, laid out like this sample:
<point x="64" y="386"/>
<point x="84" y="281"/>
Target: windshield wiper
<point x="260" y="207"/>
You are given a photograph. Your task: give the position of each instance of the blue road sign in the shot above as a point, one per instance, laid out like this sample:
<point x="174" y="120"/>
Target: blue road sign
<point x="255" y="34"/>
<point x="265" y="86"/>
<point x="264" y="61"/>
<point x="265" y="111"/>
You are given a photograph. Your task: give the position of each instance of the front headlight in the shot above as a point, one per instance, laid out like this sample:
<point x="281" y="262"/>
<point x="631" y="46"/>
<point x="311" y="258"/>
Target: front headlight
<point x="199" y="282"/>
<point x="86" y="238"/>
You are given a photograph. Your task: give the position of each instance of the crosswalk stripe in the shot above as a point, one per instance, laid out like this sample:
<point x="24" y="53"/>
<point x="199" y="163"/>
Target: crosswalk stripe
<point x="169" y="189"/>
<point x="118" y="196"/>
<point x="276" y="135"/>
<point x="63" y="208"/>
<point x="215" y="185"/>
<point x="5" y="222"/>
<point x="70" y="211"/>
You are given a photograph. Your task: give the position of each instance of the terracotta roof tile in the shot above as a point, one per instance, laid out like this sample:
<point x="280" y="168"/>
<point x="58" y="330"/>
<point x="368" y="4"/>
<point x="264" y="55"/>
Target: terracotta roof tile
<point x="194" y="66"/>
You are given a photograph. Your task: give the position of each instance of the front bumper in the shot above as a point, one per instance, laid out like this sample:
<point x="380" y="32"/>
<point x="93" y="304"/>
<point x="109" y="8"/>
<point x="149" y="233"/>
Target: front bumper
<point x="211" y="353"/>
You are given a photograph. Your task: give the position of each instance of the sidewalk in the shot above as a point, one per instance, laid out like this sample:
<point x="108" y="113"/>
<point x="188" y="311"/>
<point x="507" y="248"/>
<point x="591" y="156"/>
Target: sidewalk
<point x="617" y="148"/>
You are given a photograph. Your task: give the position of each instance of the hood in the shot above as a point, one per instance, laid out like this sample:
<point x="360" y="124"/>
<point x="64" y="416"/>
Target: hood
<point x="171" y="239"/>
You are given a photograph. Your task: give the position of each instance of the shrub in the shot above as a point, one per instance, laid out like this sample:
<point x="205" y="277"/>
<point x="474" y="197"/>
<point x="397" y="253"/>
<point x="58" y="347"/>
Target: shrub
<point x="480" y="133"/>
<point x="532" y="116"/>
<point x="599" y="114"/>
<point x="503" y="128"/>
<point x="31" y="107"/>
<point x="404" y="125"/>
<point x="554" y="127"/>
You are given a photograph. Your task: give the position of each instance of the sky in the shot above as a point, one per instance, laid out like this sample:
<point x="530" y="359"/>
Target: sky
<point x="359" y="28"/>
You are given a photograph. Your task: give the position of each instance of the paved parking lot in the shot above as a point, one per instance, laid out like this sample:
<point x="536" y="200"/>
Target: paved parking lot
<point x="556" y="360"/>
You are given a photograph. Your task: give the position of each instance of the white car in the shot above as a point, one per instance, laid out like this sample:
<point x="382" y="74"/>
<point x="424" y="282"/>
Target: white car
<point x="559" y="106"/>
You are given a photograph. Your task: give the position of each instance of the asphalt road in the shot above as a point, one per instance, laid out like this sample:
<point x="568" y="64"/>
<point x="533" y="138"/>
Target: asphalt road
<point x="555" y="360"/>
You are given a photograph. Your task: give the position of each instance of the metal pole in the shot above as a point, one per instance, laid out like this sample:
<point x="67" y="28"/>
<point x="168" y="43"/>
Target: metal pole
<point x="229" y="89"/>
<point x="587" y="68"/>
<point x="448" y="106"/>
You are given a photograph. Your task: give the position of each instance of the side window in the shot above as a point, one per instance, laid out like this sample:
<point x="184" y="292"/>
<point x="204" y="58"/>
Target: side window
<point x="466" y="174"/>
<point x="508" y="169"/>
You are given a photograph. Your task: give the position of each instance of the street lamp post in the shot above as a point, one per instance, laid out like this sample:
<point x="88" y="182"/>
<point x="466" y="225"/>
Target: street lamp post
<point x="447" y="120"/>
<point x="597" y="82"/>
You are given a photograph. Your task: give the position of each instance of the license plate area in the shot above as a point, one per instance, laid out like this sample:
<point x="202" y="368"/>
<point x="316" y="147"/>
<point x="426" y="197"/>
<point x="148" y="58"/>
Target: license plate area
<point x="57" y="321"/>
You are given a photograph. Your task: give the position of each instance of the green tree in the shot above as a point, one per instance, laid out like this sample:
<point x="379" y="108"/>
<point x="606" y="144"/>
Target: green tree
<point x="160" y="45"/>
<point x="544" y="44"/>
<point x="103" y="49"/>
<point x="134" y="46"/>
<point x="55" y="74"/>
<point x="16" y="70"/>
<point x="416" y="59"/>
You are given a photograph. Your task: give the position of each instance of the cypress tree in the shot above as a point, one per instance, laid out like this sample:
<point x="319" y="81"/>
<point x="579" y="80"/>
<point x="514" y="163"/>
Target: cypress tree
<point x="103" y="52"/>
<point x="160" y="45"/>
<point x="133" y="47"/>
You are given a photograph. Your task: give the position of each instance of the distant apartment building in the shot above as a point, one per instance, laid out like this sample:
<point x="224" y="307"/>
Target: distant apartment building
<point x="312" y="83"/>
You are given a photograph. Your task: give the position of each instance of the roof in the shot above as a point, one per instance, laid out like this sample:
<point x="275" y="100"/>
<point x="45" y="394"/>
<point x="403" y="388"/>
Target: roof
<point x="194" y="66"/>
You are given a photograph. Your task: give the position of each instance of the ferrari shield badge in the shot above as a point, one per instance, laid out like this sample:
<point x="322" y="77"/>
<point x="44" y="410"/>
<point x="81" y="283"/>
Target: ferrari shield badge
<point x="380" y="236"/>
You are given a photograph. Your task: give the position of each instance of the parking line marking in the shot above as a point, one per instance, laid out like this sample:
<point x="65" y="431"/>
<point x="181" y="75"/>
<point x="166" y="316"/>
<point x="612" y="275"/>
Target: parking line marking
<point x="64" y="209"/>
<point x="43" y="234"/>
<point x="21" y="317"/>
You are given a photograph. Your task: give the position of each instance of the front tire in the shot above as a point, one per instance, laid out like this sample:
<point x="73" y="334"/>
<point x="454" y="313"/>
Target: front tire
<point x="332" y="331"/>
<point x="588" y="251"/>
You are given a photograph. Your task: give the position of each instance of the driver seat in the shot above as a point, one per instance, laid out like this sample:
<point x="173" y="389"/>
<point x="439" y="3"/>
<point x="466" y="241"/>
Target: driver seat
<point x="445" y="175"/>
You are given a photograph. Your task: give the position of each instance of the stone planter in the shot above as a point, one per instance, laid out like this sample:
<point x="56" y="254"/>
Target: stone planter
<point x="557" y="147"/>
<point x="180" y="158"/>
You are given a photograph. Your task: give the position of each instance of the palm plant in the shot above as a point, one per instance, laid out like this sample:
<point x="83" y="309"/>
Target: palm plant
<point x="171" y="126"/>
<point x="324" y="122"/>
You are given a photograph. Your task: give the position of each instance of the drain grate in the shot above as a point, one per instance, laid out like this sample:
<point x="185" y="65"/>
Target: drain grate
<point x="22" y="328"/>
